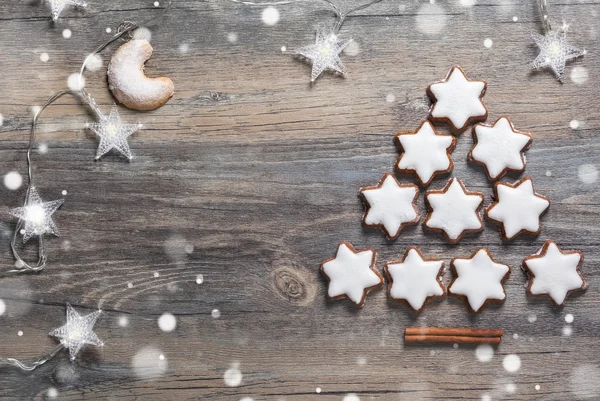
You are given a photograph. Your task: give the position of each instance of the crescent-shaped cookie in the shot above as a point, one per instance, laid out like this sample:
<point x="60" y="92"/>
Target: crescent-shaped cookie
<point x="129" y="84"/>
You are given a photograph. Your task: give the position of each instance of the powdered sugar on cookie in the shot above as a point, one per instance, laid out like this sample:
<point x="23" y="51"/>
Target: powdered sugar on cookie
<point x="425" y="153"/>
<point x="554" y="272"/>
<point x="499" y="148"/>
<point x="351" y="273"/>
<point x="415" y="279"/>
<point x="479" y="279"/>
<point x="390" y="205"/>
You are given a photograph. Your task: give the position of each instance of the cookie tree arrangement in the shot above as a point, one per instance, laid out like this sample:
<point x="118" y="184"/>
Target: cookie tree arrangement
<point x="454" y="212"/>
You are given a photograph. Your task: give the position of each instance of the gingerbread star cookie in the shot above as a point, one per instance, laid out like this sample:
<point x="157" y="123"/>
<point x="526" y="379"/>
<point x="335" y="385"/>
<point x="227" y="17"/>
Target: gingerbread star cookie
<point x="425" y="153"/>
<point x="351" y="274"/>
<point x="390" y="205"/>
<point x="499" y="148"/>
<point x="415" y="280"/>
<point x="454" y="211"/>
<point x="457" y="100"/>
<point x="479" y="279"/>
<point x="554" y="272"/>
<point x="517" y="208"/>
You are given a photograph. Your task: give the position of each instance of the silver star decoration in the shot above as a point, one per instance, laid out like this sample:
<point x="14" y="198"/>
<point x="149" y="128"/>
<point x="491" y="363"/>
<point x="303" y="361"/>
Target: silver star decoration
<point x="78" y="331"/>
<point x="324" y="54"/>
<point x="58" y="6"/>
<point x="37" y="215"/>
<point x="555" y="51"/>
<point x="113" y="134"/>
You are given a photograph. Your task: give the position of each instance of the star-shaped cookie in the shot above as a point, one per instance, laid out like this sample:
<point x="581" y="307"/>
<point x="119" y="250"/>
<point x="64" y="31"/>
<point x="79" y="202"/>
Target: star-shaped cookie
<point x="454" y="211"/>
<point x="499" y="148"/>
<point x="425" y="153"/>
<point x="390" y="205"/>
<point x="478" y="279"/>
<point x="517" y="208"/>
<point x="415" y="280"/>
<point x="351" y="274"/>
<point x="457" y="100"/>
<point x="555" y="52"/>
<point x="77" y="332"/>
<point x="554" y="272"/>
<point x="324" y="54"/>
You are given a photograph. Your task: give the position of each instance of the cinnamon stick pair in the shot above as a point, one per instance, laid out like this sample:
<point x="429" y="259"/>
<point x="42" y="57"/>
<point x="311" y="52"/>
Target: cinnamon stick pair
<point x="463" y="335"/>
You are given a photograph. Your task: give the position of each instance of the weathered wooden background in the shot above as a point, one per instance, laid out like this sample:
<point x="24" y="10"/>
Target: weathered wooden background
<point x="249" y="177"/>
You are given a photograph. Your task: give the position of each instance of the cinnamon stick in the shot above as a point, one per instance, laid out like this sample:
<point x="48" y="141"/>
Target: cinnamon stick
<point x="451" y="339"/>
<point x="453" y="331"/>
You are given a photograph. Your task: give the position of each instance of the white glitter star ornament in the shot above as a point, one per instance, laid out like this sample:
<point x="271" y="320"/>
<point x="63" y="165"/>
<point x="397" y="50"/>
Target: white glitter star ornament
<point x="555" y="52"/>
<point x="113" y="134"/>
<point x="36" y="215"/>
<point x="77" y="332"/>
<point x="57" y="6"/>
<point x="324" y="54"/>
<point x="74" y="335"/>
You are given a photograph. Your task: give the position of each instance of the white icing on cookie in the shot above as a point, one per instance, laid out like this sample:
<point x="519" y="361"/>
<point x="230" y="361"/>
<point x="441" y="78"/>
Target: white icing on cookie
<point x="499" y="148"/>
<point x="554" y="272"/>
<point x="518" y="208"/>
<point x="454" y="210"/>
<point x="351" y="273"/>
<point x="129" y="84"/>
<point x="425" y="152"/>
<point x="391" y="205"/>
<point x="458" y="100"/>
<point x="479" y="279"/>
<point x="415" y="280"/>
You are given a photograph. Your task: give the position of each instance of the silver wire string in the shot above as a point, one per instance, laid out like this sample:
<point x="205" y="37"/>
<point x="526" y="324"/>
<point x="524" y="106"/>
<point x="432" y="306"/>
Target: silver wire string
<point x="40" y="361"/>
<point x="338" y="13"/>
<point x="545" y="18"/>
<point x="125" y="28"/>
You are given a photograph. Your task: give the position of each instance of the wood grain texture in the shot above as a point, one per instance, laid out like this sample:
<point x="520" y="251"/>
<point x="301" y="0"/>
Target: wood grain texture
<point x="249" y="176"/>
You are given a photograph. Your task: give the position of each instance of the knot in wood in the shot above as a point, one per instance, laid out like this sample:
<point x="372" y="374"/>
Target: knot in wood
<point x="290" y="285"/>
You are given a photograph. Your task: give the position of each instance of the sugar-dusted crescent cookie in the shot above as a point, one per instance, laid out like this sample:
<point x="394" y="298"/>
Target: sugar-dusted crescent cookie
<point x="351" y="274"/>
<point x="425" y="153"/>
<point x="390" y="205"/>
<point x="478" y="279"/>
<point x="454" y="211"/>
<point x="129" y="84"/>
<point x="457" y="100"/>
<point x="517" y="208"/>
<point x="554" y="272"/>
<point x="415" y="280"/>
<point x="499" y="148"/>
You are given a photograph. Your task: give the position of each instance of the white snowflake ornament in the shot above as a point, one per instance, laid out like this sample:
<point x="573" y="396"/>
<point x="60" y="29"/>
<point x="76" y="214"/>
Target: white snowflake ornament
<point x="37" y="215"/>
<point x="555" y="52"/>
<point x="77" y="332"/>
<point x="113" y="134"/>
<point x="324" y="54"/>
<point x="57" y="6"/>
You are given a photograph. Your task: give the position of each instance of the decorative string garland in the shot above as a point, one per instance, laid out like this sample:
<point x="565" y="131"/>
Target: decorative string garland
<point x="555" y="52"/>
<point x="324" y="54"/>
<point x="73" y="335"/>
<point x="35" y="216"/>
